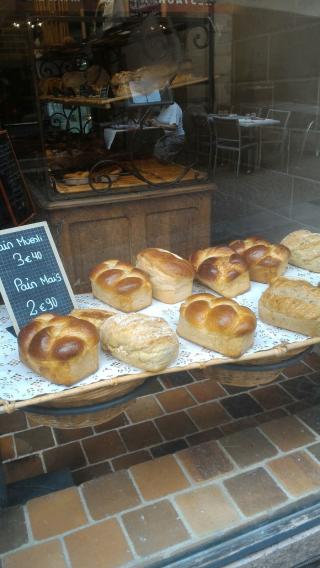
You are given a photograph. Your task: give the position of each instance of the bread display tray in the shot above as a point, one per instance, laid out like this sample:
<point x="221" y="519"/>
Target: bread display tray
<point x="19" y="385"/>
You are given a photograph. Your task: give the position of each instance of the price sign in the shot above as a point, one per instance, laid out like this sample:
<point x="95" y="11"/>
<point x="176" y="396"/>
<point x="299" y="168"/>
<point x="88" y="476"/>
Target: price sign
<point x="32" y="278"/>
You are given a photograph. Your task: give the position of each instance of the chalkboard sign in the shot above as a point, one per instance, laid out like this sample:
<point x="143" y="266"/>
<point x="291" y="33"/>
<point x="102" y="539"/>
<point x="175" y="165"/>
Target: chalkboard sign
<point x="15" y="200"/>
<point x="32" y="278"/>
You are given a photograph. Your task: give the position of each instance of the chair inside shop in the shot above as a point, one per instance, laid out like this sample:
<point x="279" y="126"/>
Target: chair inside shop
<point x="276" y="136"/>
<point x="311" y="137"/>
<point x="229" y="138"/>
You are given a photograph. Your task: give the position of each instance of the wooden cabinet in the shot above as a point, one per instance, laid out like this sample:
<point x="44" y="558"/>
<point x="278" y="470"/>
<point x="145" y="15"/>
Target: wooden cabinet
<point x="90" y="230"/>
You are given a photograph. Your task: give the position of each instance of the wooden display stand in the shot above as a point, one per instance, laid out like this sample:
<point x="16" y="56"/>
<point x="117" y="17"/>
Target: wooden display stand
<point x="92" y="229"/>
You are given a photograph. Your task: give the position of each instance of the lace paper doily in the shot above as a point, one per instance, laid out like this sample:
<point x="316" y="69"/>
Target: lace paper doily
<point x="17" y="382"/>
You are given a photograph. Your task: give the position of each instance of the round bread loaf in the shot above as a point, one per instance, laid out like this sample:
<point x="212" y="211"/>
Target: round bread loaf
<point x="222" y="270"/>
<point x="217" y="323"/>
<point x="94" y="316"/>
<point x="171" y="276"/>
<point x="62" y="349"/>
<point x="143" y="341"/>
<point x="304" y="249"/>
<point x="121" y="285"/>
<point x="265" y="260"/>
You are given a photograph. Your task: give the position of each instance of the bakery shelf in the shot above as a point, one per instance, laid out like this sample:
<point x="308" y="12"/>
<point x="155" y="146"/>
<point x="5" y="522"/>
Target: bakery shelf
<point x="19" y="385"/>
<point x="96" y="102"/>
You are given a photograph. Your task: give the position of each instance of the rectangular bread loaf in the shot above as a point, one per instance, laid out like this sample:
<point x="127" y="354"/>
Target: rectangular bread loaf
<point x="293" y="305"/>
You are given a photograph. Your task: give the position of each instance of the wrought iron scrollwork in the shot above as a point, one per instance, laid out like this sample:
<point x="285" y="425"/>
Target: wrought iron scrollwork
<point x="200" y="36"/>
<point x="50" y="66"/>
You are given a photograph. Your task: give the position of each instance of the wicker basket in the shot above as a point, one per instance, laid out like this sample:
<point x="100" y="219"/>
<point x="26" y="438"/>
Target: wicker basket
<point x="90" y="398"/>
<point x="251" y="375"/>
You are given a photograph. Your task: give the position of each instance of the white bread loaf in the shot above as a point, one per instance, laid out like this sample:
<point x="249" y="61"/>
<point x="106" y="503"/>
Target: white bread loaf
<point x="121" y="285"/>
<point x="293" y="305"/>
<point x="143" y="341"/>
<point x="304" y="249"/>
<point x="217" y="323"/>
<point x="171" y="276"/>
<point x="62" y="349"/>
<point x="265" y="260"/>
<point x="222" y="270"/>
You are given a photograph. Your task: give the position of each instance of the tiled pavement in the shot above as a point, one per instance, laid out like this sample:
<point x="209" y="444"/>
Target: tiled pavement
<point x="193" y="457"/>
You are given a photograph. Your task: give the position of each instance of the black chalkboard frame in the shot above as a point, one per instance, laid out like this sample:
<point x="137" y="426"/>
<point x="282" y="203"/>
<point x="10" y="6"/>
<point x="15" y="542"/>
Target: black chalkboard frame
<point x="53" y="249"/>
<point x="4" y="191"/>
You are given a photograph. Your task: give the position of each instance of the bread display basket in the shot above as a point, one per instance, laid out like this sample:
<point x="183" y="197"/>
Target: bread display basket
<point x="106" y="393"/>
<point x="89" y="408"/>
<point x="251" y="374"/>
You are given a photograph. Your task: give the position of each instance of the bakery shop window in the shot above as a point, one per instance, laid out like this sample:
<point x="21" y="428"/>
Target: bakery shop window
<point x="114" y="93"/>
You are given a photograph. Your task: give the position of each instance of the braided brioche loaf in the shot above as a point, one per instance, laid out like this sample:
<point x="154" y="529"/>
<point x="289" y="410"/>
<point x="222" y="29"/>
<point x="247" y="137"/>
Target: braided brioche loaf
<point x="95" y="316"/>
<point x="265" y="260"/>
<point x="142" y="341"/>
<point x="217" y="323"/>
<point x="304" y="249"/>
<point x="62" y="349"/>
<point x="222" y="270"/>
<point x="171" y="276"/>
<point x="293" y="305"/>
<point x="121" y="285"/>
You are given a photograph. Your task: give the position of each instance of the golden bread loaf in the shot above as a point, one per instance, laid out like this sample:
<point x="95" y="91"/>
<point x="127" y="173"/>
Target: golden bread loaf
<point x="265" y="260"/>
<point x="93" y="315"/>
<point x="304" y="249"/>
<point x="62" y="349"/>
<point x="143" y="341"/>
<point x="171" y="276"/>
<point x="121" y="285"/>
<point x="293" y="305"/>
<point x="222" y="270"/>
<point x="219" y="324"/>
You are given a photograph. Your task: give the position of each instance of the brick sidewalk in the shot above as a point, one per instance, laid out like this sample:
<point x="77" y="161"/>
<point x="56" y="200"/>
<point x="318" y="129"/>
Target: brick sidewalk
<point x="192" y="457"/>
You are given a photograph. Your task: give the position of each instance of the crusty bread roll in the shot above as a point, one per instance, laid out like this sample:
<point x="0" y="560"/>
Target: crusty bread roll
<point x="222" y="270"/>
<point x="93" y="315"/>
<point x="171" y="276"/>
<point x="265" y="260"/>
<point x="145" y="342"/>
<point x="304" y="249"/>
<point x="293" y="305"/>
<point x="121" y="285"/>
<point x="62" y="349"/>
<point x="217" y="323"/>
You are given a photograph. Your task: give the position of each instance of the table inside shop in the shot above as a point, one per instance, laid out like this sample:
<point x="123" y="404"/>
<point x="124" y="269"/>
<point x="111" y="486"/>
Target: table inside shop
<point x="111" y="131"/>
<point x="247" y="121"/>
<point x="250" y="122"/>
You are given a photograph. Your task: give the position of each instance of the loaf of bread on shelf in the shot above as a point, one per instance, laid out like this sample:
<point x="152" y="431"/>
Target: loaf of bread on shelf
<point x="219" y="324"/>
<point x="264" y="259"/>
<point x="222" y="270"/>
<point x="304" y="249"/>
<point x="143" y="341"/>
<point x="293" y="305"/>
<point x="62" y="349"/>
<point x="121" y="285"/>
<point x="93" y="315"/>
<point x="171" y="276"/>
